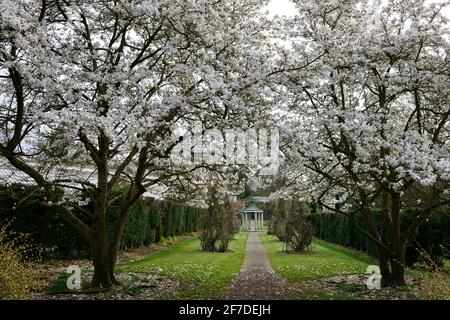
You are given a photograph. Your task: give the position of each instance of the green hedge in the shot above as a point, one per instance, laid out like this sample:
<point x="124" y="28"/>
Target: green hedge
<point x="41" y="223"/>
<point x="433" y="235"/>
<point x="150" y="221"/>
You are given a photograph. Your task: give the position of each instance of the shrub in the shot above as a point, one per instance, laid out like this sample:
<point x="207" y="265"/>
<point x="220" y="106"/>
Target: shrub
<point x="435" y="286"/>
<point x="218" y="226"/>
<point x="18" y="278"/>
<point x="278" y="220"/>
<point x="298" y="230"/>
<point x="290" y="224"/>
<point x="434" y="282"/>
<point x="212" y="224"/>
<point x="233" y="209"/>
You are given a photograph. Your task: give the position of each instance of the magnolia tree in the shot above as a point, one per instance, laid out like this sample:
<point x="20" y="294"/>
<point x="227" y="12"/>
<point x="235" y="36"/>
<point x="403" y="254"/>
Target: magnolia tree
<point x="366" y="124"/>
<point x="92" y="92"/>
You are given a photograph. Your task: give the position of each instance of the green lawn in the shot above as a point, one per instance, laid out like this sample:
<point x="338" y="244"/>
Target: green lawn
<point x="207" y="275"/>
<point x="325" y="260"/>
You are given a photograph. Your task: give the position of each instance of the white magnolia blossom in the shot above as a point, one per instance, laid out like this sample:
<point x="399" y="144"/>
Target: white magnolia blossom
<point x="372" y="107"/>
<point x="128" y="71"/>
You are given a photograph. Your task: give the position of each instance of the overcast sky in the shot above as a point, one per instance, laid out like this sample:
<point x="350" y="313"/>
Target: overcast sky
<point x="281" y="7"/>
<point x="286" y="7"/>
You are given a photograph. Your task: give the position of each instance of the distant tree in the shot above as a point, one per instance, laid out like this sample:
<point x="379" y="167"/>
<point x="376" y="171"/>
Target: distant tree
<point x="218" y="226"/>
<point x="246" y="194"/>
<point x="277" y="224"/>
<point x="233" y="210"/>
<point x="298" y="230"/>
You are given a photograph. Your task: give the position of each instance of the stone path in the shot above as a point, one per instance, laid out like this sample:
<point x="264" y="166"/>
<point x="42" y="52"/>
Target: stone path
<point x="257" y="280"/>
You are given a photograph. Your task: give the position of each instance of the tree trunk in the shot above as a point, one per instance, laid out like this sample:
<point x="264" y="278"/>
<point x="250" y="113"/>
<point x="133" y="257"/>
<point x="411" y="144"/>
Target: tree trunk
<point x="398" y="259"/>
<point x="386" y="276"/>
<point x="133" y="195"/>
<point x="398" y="274"/>
<point x="392" y="268"/>
<point x="103" y="278"/>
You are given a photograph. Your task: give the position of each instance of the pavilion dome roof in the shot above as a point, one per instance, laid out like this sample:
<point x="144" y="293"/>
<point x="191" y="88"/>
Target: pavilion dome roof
<point x="252" y="208"/>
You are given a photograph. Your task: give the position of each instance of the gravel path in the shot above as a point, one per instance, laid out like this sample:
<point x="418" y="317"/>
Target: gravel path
<point x="257" y="280"/>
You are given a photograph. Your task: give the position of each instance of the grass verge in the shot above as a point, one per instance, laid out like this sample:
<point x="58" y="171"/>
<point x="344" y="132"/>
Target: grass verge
<point x="324" y="260"/>
<point x="206" y="275"/>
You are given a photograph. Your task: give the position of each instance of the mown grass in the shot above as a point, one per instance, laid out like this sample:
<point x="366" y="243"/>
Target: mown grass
<point x="207" y="275"/>
<point x="324" y="260"/>
<point x="447" y="265"/>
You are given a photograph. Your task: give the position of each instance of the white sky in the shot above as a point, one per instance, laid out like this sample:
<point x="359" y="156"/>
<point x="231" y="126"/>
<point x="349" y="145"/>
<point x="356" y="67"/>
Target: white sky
<point x="287" y="8"/>
<point x="281" y="7"/>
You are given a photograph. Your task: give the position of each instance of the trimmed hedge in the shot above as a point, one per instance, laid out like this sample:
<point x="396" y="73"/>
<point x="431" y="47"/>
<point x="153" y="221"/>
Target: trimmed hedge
<point x="42" y="224"/>
<point x="150" y="221"/>
<point x="433" y="235"/>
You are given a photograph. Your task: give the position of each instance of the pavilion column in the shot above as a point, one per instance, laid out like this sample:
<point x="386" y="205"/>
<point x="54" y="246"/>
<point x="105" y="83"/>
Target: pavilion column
<point x="262" y="220"/>
<point x="247" y="221"/>
<point x="258" y="226"/>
